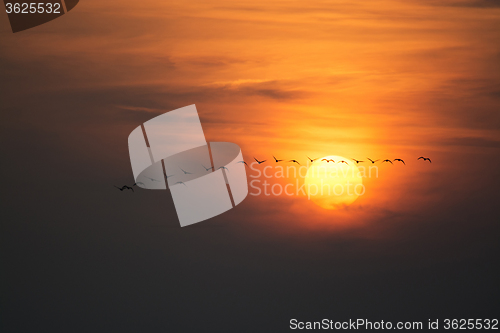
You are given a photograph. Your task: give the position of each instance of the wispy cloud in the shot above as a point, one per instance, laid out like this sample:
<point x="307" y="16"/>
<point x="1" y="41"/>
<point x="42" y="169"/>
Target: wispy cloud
<point x="464" y="3"/>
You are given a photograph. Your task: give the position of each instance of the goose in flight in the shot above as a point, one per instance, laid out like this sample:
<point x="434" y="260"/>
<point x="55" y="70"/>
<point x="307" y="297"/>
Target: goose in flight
<point x="243" y="162"/>
<point x="328" y="161"/>
<point x="260" y="162"/>
<point x="312" y="160"/>
<point x="207" y="169"/>
<point x="400" y="160"/>
<point x="387" y="161"/>
<point x="152" y="179"/>
<point x="294" y="161"/>
<point x="357" y="161"/>
<point x="343" y="162"/>
<point x="181" y="183"/>
<point x="125" y="187"/>
<point x="185" y="172"/>
<point x="223" y="167"/>
<point x="373" y="162"/>
<point x="277" y="159"/>
<point x="425" y="159"/>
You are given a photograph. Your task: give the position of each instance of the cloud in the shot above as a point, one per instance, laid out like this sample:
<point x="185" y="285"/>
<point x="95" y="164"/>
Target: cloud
<point x="472" y="142"/>
<point x="465" y="3"/>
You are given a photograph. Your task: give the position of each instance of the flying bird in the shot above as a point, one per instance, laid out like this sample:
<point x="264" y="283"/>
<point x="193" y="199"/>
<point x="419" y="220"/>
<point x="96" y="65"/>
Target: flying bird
<point x="312" y="160"/>
<point x="125" y="187"/>
<point x="206" y="167"/>
<point x="387" y="161"/>
<point x="152" y="179"/>
<point x="223" y="167"/>
<point x="328" y="161"/>
<point x="260" y="162"/>
<point x="342" y="162"/>
<point x="185" y="172"/>
<point x="138" y="183"/>
<point x="276" y="159"/>
<point x="181" y="183"/>
<point x="243" y="162"/>
<point x="400" y="160"/>
<point x="424" y="158"/>
<point x="373" y="162"/>
<point x="357" y="161"/>
<point x="294" y="161"/>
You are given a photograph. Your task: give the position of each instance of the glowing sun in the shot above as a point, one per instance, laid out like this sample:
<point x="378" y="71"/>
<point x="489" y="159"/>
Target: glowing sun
<point x="334" y="184"/>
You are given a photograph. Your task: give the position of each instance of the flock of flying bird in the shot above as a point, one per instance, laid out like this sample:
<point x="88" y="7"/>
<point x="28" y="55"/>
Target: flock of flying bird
<point x="125" y="187"/>
<point x="341" y="161"/>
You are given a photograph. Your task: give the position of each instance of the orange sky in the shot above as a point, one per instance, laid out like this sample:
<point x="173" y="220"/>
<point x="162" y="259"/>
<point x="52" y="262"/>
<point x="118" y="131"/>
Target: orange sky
<point x="354" y="78"/>
<point x="382" y="79"/>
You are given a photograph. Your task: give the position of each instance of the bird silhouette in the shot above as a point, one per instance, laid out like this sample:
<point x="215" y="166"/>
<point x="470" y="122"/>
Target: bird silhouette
<point x="206" y="167"/>
<point x="138" y="183"/>
<point x="185" y="172"/>
<point x="152" y="179"/>
<point x="400" y="160"/>
<point x="260" y="162"/>
<point x="181" y="183"/>
<point x="343" y="162"/>
<point x="223" y="167"/>
<point x="328" y="161"/>
<point x="387" y="161"/>
<point x="425" y="159"/>
<point x="373" y="162"/>
<point x="124" y="187"/>
<point x="357" y="161"/>
<point x="169" y="176"/>
<point x="277" y="159"/>
<point x="294" y="161"/>
<point x="312" y="160"/>
<point x="243" y="162"/>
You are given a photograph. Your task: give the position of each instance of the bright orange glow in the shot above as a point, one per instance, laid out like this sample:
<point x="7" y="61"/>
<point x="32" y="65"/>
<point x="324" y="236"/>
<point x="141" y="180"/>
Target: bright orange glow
<point x="383" y="79"/>
<point x="334" y="184"/>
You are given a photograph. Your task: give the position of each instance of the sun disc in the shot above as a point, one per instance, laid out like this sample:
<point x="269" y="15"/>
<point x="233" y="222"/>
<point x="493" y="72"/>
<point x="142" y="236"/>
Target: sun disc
<point x="334" y="184"/>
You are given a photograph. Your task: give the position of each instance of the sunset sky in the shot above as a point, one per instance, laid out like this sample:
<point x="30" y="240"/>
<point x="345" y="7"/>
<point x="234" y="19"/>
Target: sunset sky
<point x="380" y="79"/>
